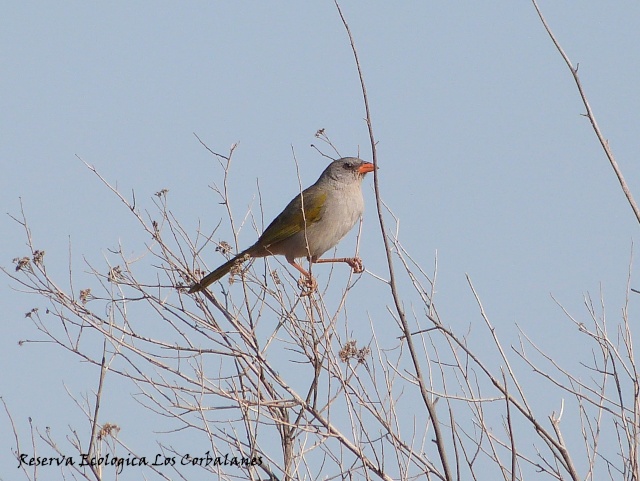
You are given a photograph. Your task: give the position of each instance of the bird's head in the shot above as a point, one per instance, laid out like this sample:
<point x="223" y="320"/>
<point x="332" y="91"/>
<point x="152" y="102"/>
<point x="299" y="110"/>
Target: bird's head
<point x="347" y="170"/>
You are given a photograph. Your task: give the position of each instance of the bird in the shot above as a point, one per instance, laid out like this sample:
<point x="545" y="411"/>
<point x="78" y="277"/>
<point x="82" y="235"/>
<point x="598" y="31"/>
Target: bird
<point x="311" y="224"/>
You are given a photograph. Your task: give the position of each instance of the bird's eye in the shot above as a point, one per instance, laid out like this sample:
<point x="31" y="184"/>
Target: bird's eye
<point x="346" y="165"/>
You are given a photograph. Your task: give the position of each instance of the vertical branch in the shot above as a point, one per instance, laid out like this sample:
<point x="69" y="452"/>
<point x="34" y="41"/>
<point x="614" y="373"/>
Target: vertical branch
<point x="94" y="421"/>
<point x="634" y="417"/>
<point x="566" y="458"/>
<point x="512" y="438"/>
<point x="430" y="405"/>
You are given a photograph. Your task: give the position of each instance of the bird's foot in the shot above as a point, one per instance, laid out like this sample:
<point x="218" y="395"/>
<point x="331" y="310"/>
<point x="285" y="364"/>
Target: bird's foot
<point x="308" y="285"/>
<point x="356" y="264"/>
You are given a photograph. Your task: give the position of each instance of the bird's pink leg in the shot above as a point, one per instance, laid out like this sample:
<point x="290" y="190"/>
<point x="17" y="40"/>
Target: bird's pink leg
<point x="355" y="263"/>
<point x="300" y="268"/>
<point x="309" y="282"/>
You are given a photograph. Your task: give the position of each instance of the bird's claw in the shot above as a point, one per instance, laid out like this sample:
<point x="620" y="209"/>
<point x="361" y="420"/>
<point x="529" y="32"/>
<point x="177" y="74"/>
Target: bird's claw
<point x="356" y="264"/>
<point x="308" y="285"/>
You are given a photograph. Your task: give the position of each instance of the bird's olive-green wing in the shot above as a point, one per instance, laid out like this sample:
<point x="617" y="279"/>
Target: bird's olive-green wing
<point x="291" y="221"/>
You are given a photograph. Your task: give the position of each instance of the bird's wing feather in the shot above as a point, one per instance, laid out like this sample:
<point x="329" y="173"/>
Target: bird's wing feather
<point x="291" y="220"/>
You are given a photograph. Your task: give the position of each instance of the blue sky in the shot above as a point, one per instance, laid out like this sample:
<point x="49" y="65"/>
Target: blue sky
<point x="484" y="155"/>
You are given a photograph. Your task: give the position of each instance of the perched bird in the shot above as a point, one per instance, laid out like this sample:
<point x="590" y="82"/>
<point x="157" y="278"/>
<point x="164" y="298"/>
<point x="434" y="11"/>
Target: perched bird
<point x="312" y="223"/>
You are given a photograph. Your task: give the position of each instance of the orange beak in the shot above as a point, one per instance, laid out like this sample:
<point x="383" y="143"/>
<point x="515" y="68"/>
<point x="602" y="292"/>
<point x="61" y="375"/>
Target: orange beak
<point x="366" y="167"/>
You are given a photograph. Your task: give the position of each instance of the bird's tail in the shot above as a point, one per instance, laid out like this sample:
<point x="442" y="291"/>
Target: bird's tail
<point x="217" y="274"/>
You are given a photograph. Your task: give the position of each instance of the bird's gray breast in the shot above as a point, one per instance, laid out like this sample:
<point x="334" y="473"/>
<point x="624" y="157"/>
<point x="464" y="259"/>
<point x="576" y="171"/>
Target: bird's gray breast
<point x="341" y="211"/>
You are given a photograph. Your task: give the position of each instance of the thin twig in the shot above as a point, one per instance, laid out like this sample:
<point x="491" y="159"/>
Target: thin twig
<point x="590" y="115"/>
